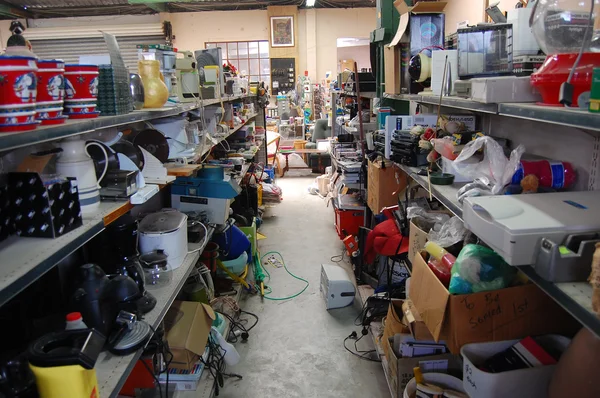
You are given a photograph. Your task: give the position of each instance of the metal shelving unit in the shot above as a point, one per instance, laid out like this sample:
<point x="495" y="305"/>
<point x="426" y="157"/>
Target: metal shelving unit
<point x="206" y="385"/>
<point x="574" y="297"/>
<point x="24" y="260"/>
<point x="570" y="117"/>
<point x="111" y="370"/>
<point x="446" y="194"/>
<point x="76" y="127"/>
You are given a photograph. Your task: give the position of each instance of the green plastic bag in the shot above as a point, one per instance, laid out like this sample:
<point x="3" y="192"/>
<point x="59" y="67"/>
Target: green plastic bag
<point x="479" y="269"/>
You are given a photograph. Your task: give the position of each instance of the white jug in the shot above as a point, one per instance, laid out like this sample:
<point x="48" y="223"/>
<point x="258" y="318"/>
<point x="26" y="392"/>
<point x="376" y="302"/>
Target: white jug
<point x="74" y="161"/>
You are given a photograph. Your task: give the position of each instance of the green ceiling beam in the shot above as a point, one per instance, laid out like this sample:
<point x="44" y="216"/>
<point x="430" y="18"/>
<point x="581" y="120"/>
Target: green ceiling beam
<point x="13" y="12"/>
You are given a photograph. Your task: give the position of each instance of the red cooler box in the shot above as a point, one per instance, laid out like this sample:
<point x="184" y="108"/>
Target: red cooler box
<point x="349" y="215"/>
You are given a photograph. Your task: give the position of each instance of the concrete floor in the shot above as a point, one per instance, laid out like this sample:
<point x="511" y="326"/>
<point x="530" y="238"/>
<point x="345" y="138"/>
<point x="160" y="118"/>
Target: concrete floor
<point x="296" y="349"/>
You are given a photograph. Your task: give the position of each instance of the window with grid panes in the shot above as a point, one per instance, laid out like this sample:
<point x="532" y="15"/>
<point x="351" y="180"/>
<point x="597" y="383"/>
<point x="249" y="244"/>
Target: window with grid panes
<point x="250" y="58"/>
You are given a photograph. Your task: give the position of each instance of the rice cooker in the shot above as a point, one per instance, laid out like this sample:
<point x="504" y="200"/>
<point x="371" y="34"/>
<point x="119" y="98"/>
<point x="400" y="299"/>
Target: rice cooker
<point x="165" y="230"/>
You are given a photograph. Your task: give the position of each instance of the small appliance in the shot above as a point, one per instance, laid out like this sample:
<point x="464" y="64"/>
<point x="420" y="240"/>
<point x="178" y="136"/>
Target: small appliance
<point x="165" y="230"/>
<point x="485" y="50"/>
<point x="119" y="184"/>
<point x="210" y="60"/>
<point x="208" y="191"/>
<point x="566" y="31"/>
<point x="123" y="235"/>
<point x="554" y="232"/>
<point x="74" y="161"/>
<point x="63" y="363"/>
<point x="188" y="81"/>
<point x="336" y="287"/>
<point x="155" y="265"/>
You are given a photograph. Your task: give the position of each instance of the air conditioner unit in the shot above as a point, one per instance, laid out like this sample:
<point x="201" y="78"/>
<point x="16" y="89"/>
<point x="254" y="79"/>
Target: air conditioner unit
<point x="336" y="287"/>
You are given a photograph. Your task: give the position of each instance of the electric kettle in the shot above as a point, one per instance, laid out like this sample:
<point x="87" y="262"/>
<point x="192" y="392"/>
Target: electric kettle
<point x="74" y="161"/>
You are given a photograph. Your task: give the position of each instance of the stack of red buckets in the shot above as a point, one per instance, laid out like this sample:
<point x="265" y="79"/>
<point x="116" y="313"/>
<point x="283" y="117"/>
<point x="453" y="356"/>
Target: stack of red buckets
<point x="81" y="91"/>
<point x="18" y="94"/>
<point x="34" y="92"/>
<point x="50" y="91"/>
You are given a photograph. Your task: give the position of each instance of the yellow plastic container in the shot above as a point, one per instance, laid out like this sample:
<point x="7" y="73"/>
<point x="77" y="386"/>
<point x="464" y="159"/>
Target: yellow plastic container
<point x="66" y="381"/>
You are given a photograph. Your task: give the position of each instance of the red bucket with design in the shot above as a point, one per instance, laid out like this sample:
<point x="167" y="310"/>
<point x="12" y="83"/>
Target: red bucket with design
<point x="18" y="83"/>
<point x="51" y="80"/>
<point x="81" y="82"/>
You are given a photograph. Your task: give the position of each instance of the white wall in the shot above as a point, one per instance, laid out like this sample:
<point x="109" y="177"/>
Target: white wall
<point x="460" y="10"/>
<point x="193" y="29"/>
<point x="360" y="54"/>
<point x="335" y="23"/>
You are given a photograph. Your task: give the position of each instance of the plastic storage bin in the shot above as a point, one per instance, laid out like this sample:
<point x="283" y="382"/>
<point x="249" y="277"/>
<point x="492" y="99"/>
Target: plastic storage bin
<point x="485" y="51"/>
<point x="521" y="383"/>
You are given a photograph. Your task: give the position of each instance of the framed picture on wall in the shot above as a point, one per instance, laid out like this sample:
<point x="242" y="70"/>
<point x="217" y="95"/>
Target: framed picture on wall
<point x="282" y="31"/>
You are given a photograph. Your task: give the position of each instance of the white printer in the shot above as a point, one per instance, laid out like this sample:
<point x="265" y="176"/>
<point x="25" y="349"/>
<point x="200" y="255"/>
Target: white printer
<point x="336" y="287"/>
<point x="554" y="232"/>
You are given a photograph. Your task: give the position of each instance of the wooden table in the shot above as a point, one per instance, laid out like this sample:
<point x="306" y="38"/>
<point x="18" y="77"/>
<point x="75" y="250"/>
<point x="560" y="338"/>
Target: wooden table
<point x="287" y="154"/>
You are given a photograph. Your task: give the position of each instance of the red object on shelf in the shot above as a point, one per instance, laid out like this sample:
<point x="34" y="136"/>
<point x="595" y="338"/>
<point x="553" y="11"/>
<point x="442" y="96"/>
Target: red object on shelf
<point x="91" y="115"/>
<point x="556" y="175"/>
<point x="19" y="83"/>
<point x="58" y="120"/>
<point x="347" y="222"/>
<point x="81" y="82"/>
<point x="17" y="128"/>
<point x="555" y="71"/>
<point x="138" y="378"/>
<point x="440" y="270"/>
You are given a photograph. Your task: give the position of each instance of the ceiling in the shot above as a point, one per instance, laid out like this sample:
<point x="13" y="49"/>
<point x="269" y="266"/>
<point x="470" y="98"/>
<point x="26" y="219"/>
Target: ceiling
<point x="10" y="9"/>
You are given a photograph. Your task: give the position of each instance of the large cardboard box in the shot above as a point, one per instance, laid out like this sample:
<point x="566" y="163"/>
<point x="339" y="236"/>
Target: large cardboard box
<point x="401" y="370"/>
<point x="384" y="185"/>
<point x="393" y="325"/>
<point x="505" y="314"/>
<point x="412" y="319"/>
<point x="188" y="325"/>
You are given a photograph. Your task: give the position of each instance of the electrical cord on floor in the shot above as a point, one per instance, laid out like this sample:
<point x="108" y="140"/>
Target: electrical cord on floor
<point x="215" y="363"/>
<point x="289" y="272"/>
<point x="162" y="348"/>
<point x="359" y="354"/>
<point x="237" y="324"/>
<point x="334" y="259"/>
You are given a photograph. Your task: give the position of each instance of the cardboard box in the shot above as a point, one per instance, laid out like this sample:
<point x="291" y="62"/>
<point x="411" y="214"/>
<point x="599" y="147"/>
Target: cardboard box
<point x="392" y="68"/>
<point x="416" y="241"/>
<point x="412" y="319"/>
<point x="188" y="326"/>
<point x="384" y="185"/>
<point x="401" y="369"/>
<point x="393" y="325"/>
<point x="505" y="314"/>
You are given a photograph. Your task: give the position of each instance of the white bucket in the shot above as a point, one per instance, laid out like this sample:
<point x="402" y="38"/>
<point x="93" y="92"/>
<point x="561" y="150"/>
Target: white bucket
<point x="439" y="379"/>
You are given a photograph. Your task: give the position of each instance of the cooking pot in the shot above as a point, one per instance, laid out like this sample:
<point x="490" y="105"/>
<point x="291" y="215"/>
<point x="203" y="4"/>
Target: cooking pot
<point x="165" y="230"/>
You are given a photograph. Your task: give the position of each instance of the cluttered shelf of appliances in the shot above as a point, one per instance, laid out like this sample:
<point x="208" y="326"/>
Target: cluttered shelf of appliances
<point x="571" y="117"/>
<point x="75" y="127"/>
<point x="574" y="297"/>
<point x="24" y="260"/>
<point x="231" y="132"/>
<point x="206" y="385"/>
<point x="444" y="193"/>
<point x="111" y="370"/>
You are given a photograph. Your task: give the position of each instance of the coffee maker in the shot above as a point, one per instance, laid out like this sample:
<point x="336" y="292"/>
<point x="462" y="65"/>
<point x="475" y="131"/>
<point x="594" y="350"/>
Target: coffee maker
<point x="123" y="239"/>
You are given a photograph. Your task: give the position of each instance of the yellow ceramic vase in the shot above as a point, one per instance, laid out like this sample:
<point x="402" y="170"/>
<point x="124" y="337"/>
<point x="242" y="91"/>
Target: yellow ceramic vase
<point x="155" y="90"/>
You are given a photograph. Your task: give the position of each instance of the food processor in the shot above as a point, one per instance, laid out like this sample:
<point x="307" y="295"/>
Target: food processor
<point x="568" y="32"/>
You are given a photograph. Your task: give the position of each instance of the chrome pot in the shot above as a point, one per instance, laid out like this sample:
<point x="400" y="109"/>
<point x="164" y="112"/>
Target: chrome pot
<point x="137" y="90"/>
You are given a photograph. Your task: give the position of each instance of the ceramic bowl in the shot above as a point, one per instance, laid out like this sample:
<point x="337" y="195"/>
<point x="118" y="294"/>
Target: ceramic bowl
<point x="13" y="118"/>
<point x="51" y="80"/>
<point x="81" y="82"/>
<point x="18" y="78"/>
<point x="49" y="113"/>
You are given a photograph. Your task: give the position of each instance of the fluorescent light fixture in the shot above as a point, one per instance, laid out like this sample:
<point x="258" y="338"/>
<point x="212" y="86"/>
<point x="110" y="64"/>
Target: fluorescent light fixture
<point x="310" y="3"/>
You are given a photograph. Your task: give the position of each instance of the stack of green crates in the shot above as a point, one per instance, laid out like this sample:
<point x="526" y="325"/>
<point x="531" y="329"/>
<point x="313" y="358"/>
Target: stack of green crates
<point x="114" y="95"/>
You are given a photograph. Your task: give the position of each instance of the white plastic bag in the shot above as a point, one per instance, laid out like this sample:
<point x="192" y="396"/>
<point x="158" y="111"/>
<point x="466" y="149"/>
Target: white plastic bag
<point x="450" y="233"/>
<point x="495" y="166"/>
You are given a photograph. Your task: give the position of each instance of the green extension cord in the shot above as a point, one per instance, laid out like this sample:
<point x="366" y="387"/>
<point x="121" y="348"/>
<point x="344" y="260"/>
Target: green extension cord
<point x="288" y="271"/>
